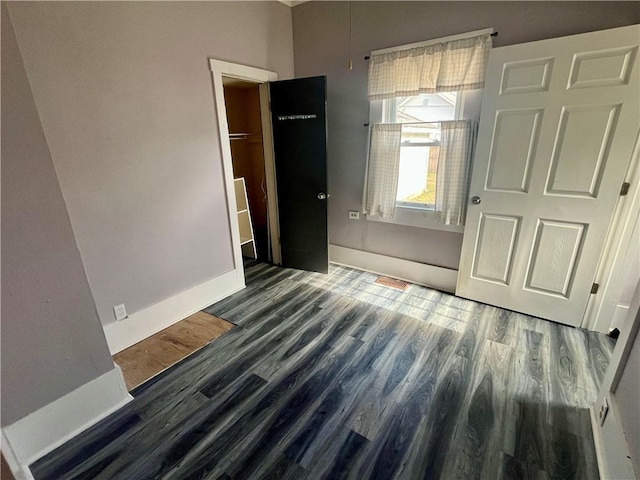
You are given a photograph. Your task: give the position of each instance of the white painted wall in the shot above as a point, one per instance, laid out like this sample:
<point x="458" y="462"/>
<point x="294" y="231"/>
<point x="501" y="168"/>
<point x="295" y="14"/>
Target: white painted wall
<point x="627" y="280"/>
<point x="124" y="93"/>
<point x="633" y="265"/>
<point x="52" y="342"/>
<point x="628" y="397"/>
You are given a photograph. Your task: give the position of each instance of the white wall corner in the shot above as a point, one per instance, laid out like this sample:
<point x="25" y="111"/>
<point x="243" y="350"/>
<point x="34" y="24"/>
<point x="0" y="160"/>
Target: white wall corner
<point x="144" y="323"/>
<point x="440" y="278"/>
<point x="610" y="444"/>
<point x="42" y="431"/>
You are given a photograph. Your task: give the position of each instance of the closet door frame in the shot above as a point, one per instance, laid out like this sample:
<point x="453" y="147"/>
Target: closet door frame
<point x="261" y="77"/>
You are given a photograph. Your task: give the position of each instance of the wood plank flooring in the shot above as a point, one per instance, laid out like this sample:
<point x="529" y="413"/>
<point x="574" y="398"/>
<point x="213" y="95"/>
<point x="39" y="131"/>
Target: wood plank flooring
<point x="147" y="358"/>
<point x="335" y="377"/>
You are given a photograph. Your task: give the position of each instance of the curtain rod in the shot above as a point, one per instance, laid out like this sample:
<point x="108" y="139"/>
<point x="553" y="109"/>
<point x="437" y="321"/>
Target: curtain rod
<point x="494" y="34"/>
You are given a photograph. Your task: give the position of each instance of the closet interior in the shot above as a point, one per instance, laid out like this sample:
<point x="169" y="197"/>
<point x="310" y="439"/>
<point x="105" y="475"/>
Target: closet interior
<point x="242" y="101"/>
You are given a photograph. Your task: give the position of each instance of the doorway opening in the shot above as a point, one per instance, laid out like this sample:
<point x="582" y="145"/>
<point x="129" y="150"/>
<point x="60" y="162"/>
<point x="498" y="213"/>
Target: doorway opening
<point x="242" y="109"/>
<point x="296" y="210"/>
<point x="244" y="118"/>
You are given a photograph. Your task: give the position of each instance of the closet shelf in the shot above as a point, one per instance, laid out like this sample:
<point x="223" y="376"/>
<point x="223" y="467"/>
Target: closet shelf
<point x="247" y="241"/>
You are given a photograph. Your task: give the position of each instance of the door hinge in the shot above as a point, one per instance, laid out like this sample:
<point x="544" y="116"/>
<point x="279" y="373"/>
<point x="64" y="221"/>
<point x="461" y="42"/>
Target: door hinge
<point x="625" y="189"/>
<point x="594" y="288"/>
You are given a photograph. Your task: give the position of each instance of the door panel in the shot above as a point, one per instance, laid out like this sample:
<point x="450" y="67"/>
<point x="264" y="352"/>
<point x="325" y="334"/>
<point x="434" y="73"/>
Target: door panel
<point x="581" y="148"/>
<point x="602" y="68"/>
<point x="299" y="141"/>
<point x="512" y="149"/>
<point x="556" y="249"/>
<point x="495" y="246"/>
<point x="558" y="124"/>
<point x="526" y="76"/>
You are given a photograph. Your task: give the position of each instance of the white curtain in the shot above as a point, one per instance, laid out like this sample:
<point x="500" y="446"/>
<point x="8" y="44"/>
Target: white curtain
<point x="441" y="67"/>
<point x="457" y="144"/>
<point x="381" y="177"/>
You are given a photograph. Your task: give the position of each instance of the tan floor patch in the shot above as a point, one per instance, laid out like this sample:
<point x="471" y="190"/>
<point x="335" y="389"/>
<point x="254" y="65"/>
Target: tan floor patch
<point x="147" y="358"/>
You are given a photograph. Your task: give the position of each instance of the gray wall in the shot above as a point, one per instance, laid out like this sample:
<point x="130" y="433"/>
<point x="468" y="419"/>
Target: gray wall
<point x="125" y="96"/>
<point x="628" y="397"/>
<point x="52" y="341"/>
<point x="632" y="268"/>
<point x="320" y="32"/>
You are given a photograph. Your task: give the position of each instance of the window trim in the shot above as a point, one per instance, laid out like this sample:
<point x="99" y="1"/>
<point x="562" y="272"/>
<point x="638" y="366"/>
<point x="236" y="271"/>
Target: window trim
<point x="416" y="217"/>
<point x="390" y="105"/>
<point x="412" y="215"/>
<point x="417" y="205"/>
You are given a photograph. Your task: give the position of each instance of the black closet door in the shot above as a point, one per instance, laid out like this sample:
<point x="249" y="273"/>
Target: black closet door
<point x="298" y="113"/>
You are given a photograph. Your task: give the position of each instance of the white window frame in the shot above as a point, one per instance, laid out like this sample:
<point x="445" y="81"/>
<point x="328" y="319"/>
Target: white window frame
<point x="412" y="215"/>
<point x="389" y="106"/>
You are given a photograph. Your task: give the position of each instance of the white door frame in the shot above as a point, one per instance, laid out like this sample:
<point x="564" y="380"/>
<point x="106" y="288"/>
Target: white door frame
<point x="608" y="433"/>
<point x="259" y="76"/>
<point x="601" y="306"/>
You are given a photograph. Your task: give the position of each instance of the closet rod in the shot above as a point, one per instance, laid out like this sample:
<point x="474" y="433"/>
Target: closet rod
<point x="241" y="136"/>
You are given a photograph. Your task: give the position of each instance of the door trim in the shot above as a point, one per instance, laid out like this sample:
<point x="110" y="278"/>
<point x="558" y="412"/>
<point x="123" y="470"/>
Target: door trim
<point x="611" y="446"/>
<point x="270" y="174"/>
<point x="601" y="307"/>
<point x="219" y="69"/>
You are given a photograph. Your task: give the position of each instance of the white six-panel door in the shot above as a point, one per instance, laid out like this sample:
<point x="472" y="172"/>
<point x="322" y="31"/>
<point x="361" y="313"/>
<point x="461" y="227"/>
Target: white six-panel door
<point x="559" y="120"/>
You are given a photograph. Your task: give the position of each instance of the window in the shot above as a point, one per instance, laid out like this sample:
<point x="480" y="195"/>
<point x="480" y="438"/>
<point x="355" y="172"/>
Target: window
<point x="420" y="142"/>
<point x="424" y="105"/>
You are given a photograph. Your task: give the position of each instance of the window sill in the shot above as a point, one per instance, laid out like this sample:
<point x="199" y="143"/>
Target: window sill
<point x="416" y="217"/>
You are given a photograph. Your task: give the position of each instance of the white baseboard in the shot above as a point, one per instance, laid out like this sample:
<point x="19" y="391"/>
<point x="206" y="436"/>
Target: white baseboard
<point x="40" y="432"/>
<point x="144" y="323"/>
<point x="440" y="278"/>
<point x="619" y="316"/>
<point x="611" y="446"/>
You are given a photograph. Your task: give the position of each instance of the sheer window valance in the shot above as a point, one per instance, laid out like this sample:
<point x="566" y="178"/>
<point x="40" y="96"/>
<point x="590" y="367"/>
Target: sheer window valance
<point x="441" y="67"/>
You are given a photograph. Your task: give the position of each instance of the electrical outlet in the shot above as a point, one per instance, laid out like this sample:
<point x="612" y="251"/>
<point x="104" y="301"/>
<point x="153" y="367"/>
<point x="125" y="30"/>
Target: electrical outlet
<point x="120" y="312"/>
<point x="354" y="215"/>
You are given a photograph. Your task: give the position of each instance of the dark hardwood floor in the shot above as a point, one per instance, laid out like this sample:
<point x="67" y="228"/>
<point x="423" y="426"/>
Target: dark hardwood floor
<point x="333" y="376"/>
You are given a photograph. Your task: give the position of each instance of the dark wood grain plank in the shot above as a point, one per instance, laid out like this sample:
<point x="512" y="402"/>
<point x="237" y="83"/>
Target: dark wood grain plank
<point x="335" y="377"/>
